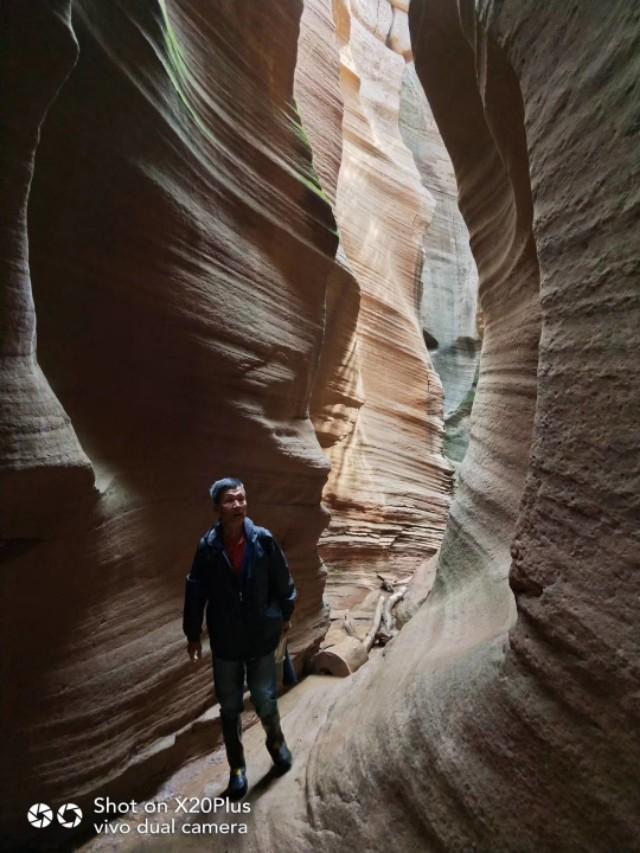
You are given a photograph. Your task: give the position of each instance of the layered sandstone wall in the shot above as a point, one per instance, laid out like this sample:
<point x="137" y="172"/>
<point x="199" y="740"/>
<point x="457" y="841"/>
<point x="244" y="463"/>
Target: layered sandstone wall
<point x="389" y="485"/>
<point x="337" y="392"/>
<point x="191" y="314"/>
<point x="41" y="460"/>
<point x="195" y="311"/>
<point x="496" y="722"/>
<point x="180" y="248"/>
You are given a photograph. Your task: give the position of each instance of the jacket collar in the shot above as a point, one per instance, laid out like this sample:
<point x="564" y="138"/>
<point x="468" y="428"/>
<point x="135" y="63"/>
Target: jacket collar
<point x="214" y="536"/>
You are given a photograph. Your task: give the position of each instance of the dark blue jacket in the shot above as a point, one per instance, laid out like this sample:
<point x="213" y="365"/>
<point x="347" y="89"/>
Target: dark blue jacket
<point x="244" y="613"/>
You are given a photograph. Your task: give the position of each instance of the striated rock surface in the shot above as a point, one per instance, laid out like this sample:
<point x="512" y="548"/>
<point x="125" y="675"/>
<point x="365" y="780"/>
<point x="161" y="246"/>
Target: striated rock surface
<point x="195" y="312"/>
<point x="512" y="723"/>
<point x="389" y="484"/>
<point x="189" y="305"/>
<point x="41" y="460"/>
<point x="337" y="391"/>
<point x="180" y="249"/>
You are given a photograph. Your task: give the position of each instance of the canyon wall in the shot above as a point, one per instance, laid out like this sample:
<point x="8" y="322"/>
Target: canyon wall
<point x="41" y="460"/>
<point x="222" y="283"/>
<point x="389" y="484"/>
<point x="179" y="248"/>
<point x="497" y="721"/>
<point x="215" y="226"/>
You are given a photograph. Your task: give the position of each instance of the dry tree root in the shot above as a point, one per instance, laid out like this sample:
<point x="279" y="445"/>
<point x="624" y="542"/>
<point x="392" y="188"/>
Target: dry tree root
<point x="350" y="653"/>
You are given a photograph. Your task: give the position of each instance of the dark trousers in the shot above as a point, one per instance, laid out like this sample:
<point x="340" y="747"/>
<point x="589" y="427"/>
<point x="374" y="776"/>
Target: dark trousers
<point x="228" y="680"/>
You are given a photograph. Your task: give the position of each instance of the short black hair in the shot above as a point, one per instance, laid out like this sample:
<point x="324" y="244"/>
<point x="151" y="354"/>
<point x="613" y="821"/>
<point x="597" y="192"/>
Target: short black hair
<point x="221" y="486"/>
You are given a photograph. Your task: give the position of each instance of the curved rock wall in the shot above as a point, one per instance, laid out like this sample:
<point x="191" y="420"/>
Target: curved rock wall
<point x="388" y="489"/>
<point x="192" y="316"/>
<point x="180" y="248"/>
<point x="41" y="461"/>
<point x="485" y="727"/>
<point x="195" y="312"/>
<point x="337" y="392"/>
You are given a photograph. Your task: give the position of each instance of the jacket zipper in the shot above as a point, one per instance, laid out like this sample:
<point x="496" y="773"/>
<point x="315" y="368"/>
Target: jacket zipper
<point x="232" y="569"/>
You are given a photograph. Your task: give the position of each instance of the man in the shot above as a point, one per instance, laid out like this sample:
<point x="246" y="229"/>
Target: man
<point x="241" y="575"/>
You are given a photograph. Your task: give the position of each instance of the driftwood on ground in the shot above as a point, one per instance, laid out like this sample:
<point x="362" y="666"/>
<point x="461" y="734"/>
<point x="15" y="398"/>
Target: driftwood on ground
<point x="350" y="653"/>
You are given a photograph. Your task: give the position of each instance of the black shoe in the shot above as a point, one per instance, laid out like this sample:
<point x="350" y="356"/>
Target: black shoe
<point x="238" y="784"/>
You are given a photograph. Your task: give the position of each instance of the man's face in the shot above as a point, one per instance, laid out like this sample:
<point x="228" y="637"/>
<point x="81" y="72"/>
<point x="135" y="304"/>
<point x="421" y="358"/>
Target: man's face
<point x="233" y="505"/>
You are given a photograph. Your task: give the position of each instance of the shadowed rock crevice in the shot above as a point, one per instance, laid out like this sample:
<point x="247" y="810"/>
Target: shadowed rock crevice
<point x="447" y="270"/>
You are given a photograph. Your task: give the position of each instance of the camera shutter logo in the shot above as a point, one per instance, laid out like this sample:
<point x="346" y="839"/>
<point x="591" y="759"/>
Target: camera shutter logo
<point x="39" y="815"/>
<point x="69" y="815"/>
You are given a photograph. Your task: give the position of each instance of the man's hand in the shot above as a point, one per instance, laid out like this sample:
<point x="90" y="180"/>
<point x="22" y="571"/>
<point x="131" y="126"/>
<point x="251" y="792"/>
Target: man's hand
<point x="194" y="650"/>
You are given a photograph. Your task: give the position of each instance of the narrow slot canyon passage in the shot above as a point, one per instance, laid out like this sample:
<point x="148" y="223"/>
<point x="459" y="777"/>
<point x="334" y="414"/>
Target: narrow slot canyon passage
<point x="378" y="260"/>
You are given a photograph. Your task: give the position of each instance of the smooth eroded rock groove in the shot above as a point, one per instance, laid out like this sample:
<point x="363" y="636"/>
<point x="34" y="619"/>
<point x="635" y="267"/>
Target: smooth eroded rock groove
<point x="42" y="464"/>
